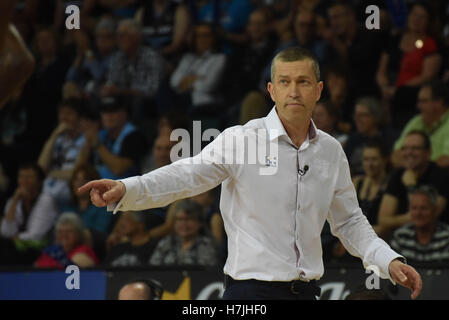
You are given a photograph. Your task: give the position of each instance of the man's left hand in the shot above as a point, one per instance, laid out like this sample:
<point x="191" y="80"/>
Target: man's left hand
<point x="406" y="276"/>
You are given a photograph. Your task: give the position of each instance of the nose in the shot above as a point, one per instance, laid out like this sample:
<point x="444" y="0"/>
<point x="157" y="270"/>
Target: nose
<point x="293" y="90"/>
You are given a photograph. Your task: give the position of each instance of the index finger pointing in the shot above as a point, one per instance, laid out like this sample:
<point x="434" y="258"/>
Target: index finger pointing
<point x="88" y="186"/>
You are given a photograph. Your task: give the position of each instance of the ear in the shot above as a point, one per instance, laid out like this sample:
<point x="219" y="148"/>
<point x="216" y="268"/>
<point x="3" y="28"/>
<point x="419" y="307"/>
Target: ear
<point x="270" y="89"/>
<point x="319" y="90"/>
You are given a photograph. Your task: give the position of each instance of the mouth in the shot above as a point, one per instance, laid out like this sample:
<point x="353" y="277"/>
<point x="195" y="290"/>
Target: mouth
<point x="295" y="104"/>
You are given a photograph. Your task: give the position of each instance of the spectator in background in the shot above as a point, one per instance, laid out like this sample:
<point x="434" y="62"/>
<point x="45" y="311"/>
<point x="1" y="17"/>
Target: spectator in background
<point x="409" y="61"/>
<point x="433" y="104"/>
<point x="137" y="71"/>
<point x="368" y="122"/>
<point x="61" y="152"/>
<point x="352" y="45"/>
<point x="199" y="73"/>
<point x="91" y="66"/>
<point x="94" y="218"/>
<point x="370" y="188"/>
<point x="326" y="118"/>
<point x="135" y="247"/>
<point x="160" y="155"/>
<point x="43" y="89"/>
<point x="418" y="170"/>
<point x="230" y="16"/>
<point x="251" y="57"/>
<point x="28" y="217"/>
<point x="339" y="94"/>
<point x="165" y="26"/>
<point x="188" y="245"/>
<point x="424" y="239"/>
<point x="305" y="35"/>
<point x="69" y="247"/>
<point x="116" y="148"/>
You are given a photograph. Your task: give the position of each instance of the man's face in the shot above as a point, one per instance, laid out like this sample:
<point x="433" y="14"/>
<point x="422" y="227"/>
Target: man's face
<point x="295" y="90"/>
<point x="422" y="212"/>
<point x="414" y="153"/>
<point x="28" y="180"/>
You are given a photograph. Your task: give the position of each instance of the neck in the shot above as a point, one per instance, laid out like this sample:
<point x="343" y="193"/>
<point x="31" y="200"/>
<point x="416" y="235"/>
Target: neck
<point x="297" y="133"/>
<point x="377" y="179"/>
<point x="84" y="203"/>
<point x="424" y="233"/>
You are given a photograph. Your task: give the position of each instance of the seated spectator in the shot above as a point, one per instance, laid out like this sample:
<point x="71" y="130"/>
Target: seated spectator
<point x="409" y="61"/>
<point x="28" y="217"/>
<point x="418" y="170"/>
<point x="433" y="104"/>
<point x="371" y="186"/>
<point x="116" y="148"/>
<point x="95" y="219"/>
<point x="352" y="45"/>
<point x="200" y="72"/>
<point x="165" y="25"/>
<point x="368" y="122"/>
<point x="326" y="118"/>
<point x="188" y="245"/>
<point x="230" y="16"/>
<point x="60" y="154"/>
<point x="160" y="155"/>
<point x="137" y="73"/>
<point x="43" y="89"/>
<point x="305" y="35"/>
<point x="121" y="9"/>
<point x="337" y="91"/>
<point x="69" y="247"/>
<point x="135" y="250"/>
<point x="250" y="58"/>
<point x="91" y="66"/>
<point x="424" y="239"/>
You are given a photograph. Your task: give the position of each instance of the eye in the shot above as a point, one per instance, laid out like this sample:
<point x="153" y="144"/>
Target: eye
<point x="283" y="81"/>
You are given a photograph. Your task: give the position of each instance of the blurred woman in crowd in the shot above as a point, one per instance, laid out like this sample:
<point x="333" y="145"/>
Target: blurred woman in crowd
<point x="189" y="245"/>
<point x="69" y="247"/>
<point x="409" y="60"/>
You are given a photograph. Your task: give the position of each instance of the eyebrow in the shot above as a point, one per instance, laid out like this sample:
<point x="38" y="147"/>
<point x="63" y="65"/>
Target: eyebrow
<point x="299" y="77"/>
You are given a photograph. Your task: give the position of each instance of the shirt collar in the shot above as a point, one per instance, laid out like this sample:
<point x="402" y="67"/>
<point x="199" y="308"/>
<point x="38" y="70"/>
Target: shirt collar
<point x="276" y="128"/>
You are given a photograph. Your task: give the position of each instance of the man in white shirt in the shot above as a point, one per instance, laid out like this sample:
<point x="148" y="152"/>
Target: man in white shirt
<point x="273" y="218"/>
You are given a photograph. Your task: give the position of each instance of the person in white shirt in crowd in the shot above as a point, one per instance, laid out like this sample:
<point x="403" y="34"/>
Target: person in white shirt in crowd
<point x="273" y="211"/>
<point x="200" y="71"/>
<point x="27" y="219"/>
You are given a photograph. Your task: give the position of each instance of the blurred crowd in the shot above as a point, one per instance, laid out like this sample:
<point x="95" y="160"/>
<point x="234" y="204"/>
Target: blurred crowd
<point x="103" y="100"/>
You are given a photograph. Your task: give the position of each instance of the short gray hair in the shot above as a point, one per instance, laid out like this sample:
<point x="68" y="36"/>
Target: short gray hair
<point x="293" y="54"/>
<point x="373" y="105"/>
<point x="429" y="191"/>
<point x="72" y="219"/>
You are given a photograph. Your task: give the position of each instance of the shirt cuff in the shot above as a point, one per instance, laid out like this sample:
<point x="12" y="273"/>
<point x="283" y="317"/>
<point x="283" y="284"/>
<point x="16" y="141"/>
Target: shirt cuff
<point x="129" y="197"/>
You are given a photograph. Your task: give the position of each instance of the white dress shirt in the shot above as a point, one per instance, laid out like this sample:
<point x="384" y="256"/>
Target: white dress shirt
<point x="209" y="67"/>
<point x="273" y="221"/>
